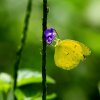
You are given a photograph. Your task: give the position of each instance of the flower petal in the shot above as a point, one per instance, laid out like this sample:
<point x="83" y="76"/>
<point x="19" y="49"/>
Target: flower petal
<point x="49" y="35"/>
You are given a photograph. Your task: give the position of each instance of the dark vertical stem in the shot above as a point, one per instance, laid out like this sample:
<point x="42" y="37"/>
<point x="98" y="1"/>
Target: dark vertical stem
<point x="44" y="27"/>
<point x="20" y="50"/>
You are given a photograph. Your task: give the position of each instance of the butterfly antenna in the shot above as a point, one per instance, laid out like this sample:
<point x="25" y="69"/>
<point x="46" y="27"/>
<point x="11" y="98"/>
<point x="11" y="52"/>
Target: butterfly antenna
<point x="57" y="34"/>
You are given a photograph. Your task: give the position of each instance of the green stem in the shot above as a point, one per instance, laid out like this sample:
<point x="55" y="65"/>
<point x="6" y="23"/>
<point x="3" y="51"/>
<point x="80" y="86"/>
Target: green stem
<point x="44" y="27"/>
<point x="19" y="52"/>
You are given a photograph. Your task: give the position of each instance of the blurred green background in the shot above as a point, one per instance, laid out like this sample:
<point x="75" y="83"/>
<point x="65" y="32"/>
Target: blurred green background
<point x="73" y="19"/>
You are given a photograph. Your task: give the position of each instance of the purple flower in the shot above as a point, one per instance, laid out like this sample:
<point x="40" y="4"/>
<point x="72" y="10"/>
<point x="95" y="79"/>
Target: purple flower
<point x="49" y="34"/>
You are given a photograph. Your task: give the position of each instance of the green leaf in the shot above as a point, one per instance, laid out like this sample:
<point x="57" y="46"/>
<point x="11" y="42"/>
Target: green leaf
<point x="31" y="89"/>
<point x="28" y="77"/>
<point x="5" y="82"/>
<point x="49" y="97"/>
<point x="26" y="95"/>
<point x="21" y="96"/>
<point x="29" y="85"/>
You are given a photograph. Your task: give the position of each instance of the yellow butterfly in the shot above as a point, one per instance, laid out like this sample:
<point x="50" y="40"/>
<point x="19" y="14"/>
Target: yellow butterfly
<point x="68" y="53"/>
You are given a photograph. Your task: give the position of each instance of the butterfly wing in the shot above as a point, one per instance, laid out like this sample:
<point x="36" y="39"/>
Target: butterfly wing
<point x="68" y="53"/>
<point x="86" y="50"/>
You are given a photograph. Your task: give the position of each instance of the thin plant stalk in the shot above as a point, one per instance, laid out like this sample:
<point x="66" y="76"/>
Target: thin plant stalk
<point x="23" y="39"/>
<point x="44" y="27"/>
